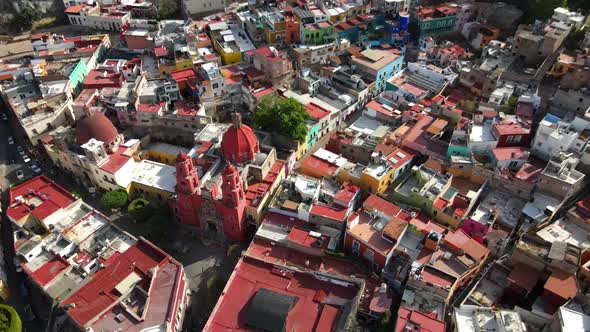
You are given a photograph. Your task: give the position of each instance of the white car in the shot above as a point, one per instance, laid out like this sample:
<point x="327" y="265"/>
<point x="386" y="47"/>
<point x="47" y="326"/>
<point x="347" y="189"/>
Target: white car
<point x="26" y="159"/>
<point x="4" y="117"/>
<point x="35" y="168"/>
<point x="20" y="175"/>
<point x="10" y="140"/>
<point x="17" y="265"/>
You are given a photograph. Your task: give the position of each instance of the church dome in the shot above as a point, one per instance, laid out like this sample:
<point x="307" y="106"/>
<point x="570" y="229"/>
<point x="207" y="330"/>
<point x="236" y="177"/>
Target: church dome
<point x="97" y="126"/>
<point x="181" y="157"/>
<point x="239" y="143"/>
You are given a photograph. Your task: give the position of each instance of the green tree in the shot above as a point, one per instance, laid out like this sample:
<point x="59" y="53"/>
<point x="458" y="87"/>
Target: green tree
<point x="157" y="224"/>
<point x="9" y="319"/>
<point x="468" y="105"/>
<point x="286" y="117"/>
<point x="114" y="199"/>
<point x="512" y="102"/>
<point x="140" y="209"/>
<point x="541" y="9"/>
<point x="573" y="40"/>
<point x="168" y="9"/>
<point x="24" y="19"/>
<point x="386" y="323"/>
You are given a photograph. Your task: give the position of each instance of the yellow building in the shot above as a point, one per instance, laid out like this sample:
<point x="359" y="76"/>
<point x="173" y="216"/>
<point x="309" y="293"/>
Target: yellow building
<point x="380" y="173"/>
<point x="184" y="63"/>
<point x="152" y="181"/>
<point x="166" y="67"/>
<point x="372" y="179"/>
<point x="163" y="153"/>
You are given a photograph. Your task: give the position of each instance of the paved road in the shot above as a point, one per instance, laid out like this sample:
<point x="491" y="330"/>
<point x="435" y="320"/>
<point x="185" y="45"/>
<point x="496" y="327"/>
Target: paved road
<point x="10" y="159"/>
<point x="16" y="281"/>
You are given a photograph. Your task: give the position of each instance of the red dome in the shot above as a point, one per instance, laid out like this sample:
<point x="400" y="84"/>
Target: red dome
<point x="181" y="157"/>
<point x="230" y="169"/>
<point x="96" y="126"/>
<point x="239" y="143"/>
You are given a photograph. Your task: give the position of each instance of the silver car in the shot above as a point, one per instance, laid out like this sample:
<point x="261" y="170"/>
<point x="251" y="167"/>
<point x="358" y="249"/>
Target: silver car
<point x="35" y="168"/>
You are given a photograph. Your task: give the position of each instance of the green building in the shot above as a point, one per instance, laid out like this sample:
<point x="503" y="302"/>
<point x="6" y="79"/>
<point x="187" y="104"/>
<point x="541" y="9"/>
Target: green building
<point x="77" y="76"/>
<point x="318" y="33"/>
<point x="430" y="21"/>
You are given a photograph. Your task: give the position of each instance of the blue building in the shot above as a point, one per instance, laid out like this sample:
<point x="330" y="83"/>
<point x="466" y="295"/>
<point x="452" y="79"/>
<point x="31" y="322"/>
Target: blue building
<point x="378" y="65"/>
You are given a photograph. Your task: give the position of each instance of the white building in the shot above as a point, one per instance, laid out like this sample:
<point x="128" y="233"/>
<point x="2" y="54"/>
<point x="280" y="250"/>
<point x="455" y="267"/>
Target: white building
<point x="563" y="15"/>
<point x="470" y="318"/>
<point x="196" y="7"/>
<point x="554" y="136"/>
<point x="91" y="16"/>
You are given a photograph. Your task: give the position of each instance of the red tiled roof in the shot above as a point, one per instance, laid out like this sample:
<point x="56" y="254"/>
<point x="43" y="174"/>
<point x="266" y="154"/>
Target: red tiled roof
<point x="52" y="197"/>
<point x="48" y="271"/>
<point x="333" y="212"/>
<point x="97" y="79"/>
<point x="436" y="277"/>
<point x="562" y="284"/>
<point x="511" y="128"/>
<point x="394" y="228"/>
<point x="304" y="238"/>
<point x="583" y="209"/>
<point x="263" y="92"/>
<point x="266" y="52"/>
<point x="161" y="51"/>
<point x="150" y="108"/>
<point x="282" y="255"/>
<point x="346" y="194"/>
<point x="184" y="74"/>
<point x="418" y="322"/>
<point x="116" y="161"/>
<point x="407" y="156"/>
<point x="98" y="296"/>
<point x="411" y="88"/>
<point x="459" y="240"/>
<point x="252" y="274"/>
<point x="426" y="227"/>
<point x="326" y="168"/>
<point x="509" y="153"/>
<point x="379" y="108"/>
<point x="316" y="112"/>
<point x="376" y="203"/>
<point x="75" y="9"/>
<point x="440" y="203"/>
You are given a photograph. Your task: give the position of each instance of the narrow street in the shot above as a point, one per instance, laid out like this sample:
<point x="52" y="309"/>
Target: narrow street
<point x="19" y="295"/>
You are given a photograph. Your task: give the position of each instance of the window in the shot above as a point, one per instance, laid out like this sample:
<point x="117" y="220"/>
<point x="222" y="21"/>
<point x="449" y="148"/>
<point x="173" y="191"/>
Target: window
<point x="215" y="85"/>
<point x="355" y="247"/>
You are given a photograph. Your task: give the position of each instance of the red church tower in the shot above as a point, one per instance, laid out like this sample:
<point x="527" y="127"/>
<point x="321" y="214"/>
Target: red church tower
<point x="232" y="206"/>
<point x="188" y="191"/>
<point x="194" y="204"/>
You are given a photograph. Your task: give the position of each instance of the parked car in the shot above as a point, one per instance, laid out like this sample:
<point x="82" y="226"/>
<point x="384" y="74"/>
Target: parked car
<point x="10" y="140"/>
<point x="29" y="315"/>
<point x="35" y="168"/>
<point x="20" y="175"/>
<point x="4" y="117"/>
<point x="20" y="149"/>
<point x="17" y="265"/>
<point x="26" y="159"/>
